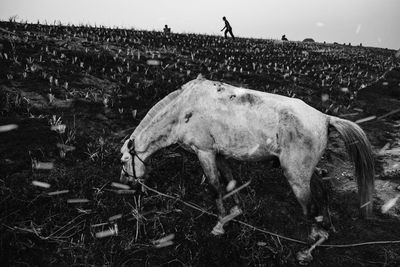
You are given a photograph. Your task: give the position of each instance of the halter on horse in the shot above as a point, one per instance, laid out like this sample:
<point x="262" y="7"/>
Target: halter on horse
<point x="128" y="173"/>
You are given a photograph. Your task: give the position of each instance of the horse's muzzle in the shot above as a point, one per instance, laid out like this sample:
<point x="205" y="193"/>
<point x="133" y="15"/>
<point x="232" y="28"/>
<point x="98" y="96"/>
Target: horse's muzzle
<point x="125" y="178"/>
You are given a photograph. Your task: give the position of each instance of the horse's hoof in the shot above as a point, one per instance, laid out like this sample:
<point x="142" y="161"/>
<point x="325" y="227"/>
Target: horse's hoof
<point x="317" y="233"/>
<point x="236" y="211"/>
<point x="304" y="257"/>
<point x="218" y="229"/>
<point x="217" y="232"/>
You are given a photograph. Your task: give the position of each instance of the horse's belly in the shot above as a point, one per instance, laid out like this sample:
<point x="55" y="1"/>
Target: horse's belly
<point x="240" y="137"/>
<point x="254" y="152"/>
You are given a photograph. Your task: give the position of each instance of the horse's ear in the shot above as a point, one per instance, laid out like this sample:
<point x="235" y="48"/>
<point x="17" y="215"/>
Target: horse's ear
<point x="125" y="138"/>
<point x="200" y="77"/>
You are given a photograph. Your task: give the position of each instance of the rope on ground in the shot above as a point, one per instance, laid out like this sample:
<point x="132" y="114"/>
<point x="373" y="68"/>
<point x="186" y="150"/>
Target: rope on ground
<point x="386" y="242"/>
<point x="193" y="206"/>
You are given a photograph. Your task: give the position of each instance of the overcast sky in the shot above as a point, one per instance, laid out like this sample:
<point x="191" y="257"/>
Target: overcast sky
<point x="371" y="22"/>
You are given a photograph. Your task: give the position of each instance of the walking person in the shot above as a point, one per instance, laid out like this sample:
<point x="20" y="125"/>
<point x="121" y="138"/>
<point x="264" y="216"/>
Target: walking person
<point x="227" y="28"/>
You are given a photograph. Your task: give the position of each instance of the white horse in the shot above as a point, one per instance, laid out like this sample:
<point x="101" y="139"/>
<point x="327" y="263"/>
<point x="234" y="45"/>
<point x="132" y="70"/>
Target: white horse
<point x="218" y="121"/>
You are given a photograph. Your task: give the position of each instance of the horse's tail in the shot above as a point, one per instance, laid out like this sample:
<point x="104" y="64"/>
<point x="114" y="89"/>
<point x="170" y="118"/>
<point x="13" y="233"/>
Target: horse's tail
<point x="360" y="152"/>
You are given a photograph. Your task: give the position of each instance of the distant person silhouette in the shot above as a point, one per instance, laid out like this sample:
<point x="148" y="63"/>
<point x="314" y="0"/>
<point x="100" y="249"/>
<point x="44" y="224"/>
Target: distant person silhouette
<point x="167" y="30"/>
<point x="227" y="28"/>
<point x="284" y="38"/>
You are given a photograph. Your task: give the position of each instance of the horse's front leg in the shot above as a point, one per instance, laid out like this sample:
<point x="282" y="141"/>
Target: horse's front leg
<point x="310" y="192"/>
<point x="226" y="172"/>
<point x="208" y="162"/>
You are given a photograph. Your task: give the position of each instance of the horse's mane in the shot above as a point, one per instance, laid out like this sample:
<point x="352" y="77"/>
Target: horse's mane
<point x="153" y="111"/>
<point x="157" y="107"/>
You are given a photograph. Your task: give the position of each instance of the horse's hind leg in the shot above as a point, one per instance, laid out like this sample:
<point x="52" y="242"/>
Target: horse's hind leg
<point x="320" y="202"/>
<point x="298" y="168"/>
<point x="209" y="165"/>
<point x="226" y="172"/>
<point x="299" y="180"/>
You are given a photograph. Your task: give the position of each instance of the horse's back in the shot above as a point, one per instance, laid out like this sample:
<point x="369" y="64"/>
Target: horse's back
<point x="246" y="123"/>
<point x="248" y="107"/>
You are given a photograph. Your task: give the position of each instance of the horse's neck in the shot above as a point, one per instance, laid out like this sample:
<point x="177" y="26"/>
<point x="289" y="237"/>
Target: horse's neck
<point x="158" y="134"/>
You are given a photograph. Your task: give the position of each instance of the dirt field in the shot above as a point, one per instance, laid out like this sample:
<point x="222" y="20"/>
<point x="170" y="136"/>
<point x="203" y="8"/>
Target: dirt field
<point x="99" y="83"/>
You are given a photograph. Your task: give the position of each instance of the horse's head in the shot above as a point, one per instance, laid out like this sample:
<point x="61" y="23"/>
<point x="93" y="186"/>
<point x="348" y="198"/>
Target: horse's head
<point x="133" y="168"/>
